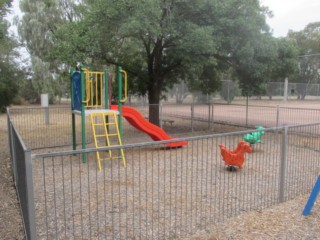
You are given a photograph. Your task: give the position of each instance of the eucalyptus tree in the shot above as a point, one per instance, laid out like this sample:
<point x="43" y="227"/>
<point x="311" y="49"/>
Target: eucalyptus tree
<point x="161" y="41"/>
<point x="9" y="71"/>
<point x="37" y="29"/>
<point x="307" y="41"/>
<point x="4" y="6"/>
<point x="251" y="47"/>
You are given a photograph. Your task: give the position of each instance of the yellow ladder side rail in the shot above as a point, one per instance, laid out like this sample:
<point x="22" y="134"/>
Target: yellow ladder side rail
<point x="92" y="116"/>
<point x="120" y="142"/>
<point x="104" y="116"/>
<point x="114" y="115"/>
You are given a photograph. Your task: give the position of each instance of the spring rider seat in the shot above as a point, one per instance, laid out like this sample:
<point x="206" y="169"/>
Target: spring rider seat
<point x="235" y="158"/>
<point x="254" y="137"/>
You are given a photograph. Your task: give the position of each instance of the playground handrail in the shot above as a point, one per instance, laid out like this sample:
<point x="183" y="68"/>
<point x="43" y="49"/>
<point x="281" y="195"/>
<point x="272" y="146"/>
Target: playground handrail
<point x="88" y="84"/>
<point x="125" y="86"/>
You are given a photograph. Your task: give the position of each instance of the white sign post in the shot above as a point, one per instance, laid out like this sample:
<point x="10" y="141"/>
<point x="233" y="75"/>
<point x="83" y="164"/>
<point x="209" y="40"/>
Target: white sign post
<point x="45" y="105"/>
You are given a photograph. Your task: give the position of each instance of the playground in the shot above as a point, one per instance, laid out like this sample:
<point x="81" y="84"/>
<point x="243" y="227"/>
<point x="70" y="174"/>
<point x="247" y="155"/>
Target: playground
<point x="158" y="189"/>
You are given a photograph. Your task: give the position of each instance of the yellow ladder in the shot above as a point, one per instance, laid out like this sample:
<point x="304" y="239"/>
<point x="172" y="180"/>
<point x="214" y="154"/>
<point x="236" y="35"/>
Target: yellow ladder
<point x="105" y="132"/>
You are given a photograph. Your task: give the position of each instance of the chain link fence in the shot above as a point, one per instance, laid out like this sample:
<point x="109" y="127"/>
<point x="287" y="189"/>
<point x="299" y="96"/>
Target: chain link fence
<point x="162" y="193"/>
<point x="39" y="132"/>
<point x="295" y="90"/>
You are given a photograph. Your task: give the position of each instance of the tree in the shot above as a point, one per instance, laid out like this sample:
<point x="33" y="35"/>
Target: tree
<point x="147" y="38"/>
<point x="161" y="41"/>
<point x="283" y="65"/>
<point x="37" y="28"/>
<point x="180" y="91"/>
<point x="307" y="41"/>
<point x="286" y="61"/>
<point x="253" y="66"/>
<point x="4" y="6"/>
<point x="229" y="89"/>
<point x="9" y="72"/>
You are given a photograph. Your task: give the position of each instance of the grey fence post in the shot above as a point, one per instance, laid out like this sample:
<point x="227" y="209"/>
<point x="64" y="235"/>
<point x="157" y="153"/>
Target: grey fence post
<point x="283" y="164"/>
<point x="277" y="122"/>
<point x="278" y="113"/>
<point x="285" y="93"/>
<point x="209" y="116"/>
<point x="11" y="147"/>
<point x="9" y="132"/>
<point x="46" y="115"/>
<point x="192" y="115"/>
<point x="247" y="110"/>
<point x="30" y="196"/>
<point x="212" y="116"/>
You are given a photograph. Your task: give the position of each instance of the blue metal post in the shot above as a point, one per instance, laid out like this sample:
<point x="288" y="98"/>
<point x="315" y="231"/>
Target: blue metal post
<point x="312" y="198"/>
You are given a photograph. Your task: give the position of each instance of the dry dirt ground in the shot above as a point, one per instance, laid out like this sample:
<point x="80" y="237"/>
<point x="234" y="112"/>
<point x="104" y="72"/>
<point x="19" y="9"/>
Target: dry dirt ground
<point x="10" y="217"/>
<point x="283" y="221"/>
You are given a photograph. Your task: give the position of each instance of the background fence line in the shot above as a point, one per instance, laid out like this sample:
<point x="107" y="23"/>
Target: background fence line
<point x="174" y="119"/>
<point x="163" y="193"/>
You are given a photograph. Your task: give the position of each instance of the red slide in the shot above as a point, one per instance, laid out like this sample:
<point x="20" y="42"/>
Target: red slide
<point x="140" y="123"/>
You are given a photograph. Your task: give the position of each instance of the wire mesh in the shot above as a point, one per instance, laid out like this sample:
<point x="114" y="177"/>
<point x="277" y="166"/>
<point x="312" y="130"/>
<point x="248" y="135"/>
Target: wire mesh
<point x="21" y="159"/>
<point x="168" y="193"/>
<point x="164" y="193"/>
<point x="174" y="120"/>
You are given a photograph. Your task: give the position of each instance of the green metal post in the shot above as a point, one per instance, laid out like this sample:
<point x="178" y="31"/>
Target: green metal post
<point x="119" y="76"/>
<point x="74" y="143"/>
<point x="83" y="117"/>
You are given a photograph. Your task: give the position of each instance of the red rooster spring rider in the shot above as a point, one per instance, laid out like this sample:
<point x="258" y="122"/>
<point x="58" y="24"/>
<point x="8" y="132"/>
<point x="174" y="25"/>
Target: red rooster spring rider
<point x="236" y="157"/>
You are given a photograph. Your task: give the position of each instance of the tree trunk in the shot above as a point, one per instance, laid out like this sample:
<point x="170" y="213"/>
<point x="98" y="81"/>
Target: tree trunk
<point x="154" y="101"/>
<point x="155" y="82"/>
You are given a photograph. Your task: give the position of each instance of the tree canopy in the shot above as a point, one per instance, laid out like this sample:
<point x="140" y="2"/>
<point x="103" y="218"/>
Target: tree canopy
<point x="308" y="72"/>
<point x="9" y="72"/>
<point x="159" y="42"/>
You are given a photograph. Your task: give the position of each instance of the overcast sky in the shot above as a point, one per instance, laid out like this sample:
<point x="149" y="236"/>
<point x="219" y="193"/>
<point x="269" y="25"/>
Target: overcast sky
<point x="291" y="14"/>
<point x="288" y="14"/>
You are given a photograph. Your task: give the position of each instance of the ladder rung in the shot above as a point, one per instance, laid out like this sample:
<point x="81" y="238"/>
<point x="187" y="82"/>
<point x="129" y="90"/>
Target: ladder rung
<point x="111" y="158"/>
<point x="112" y="134"/>
<point x="104" y="147"/>
<point x="98" y="124"/>
<point x="101" y="135"/>
<point x="111" y="145"/>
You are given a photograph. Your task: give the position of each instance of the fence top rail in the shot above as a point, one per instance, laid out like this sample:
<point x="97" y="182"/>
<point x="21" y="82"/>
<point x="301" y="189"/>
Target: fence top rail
<point x="299" y="108"/>
<point x="18" y="108"/>
<point x="261" y="106"/>
<point x="25" y="108"/>
<point x="148" y="144"/>
<point x="242" y="105"/>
